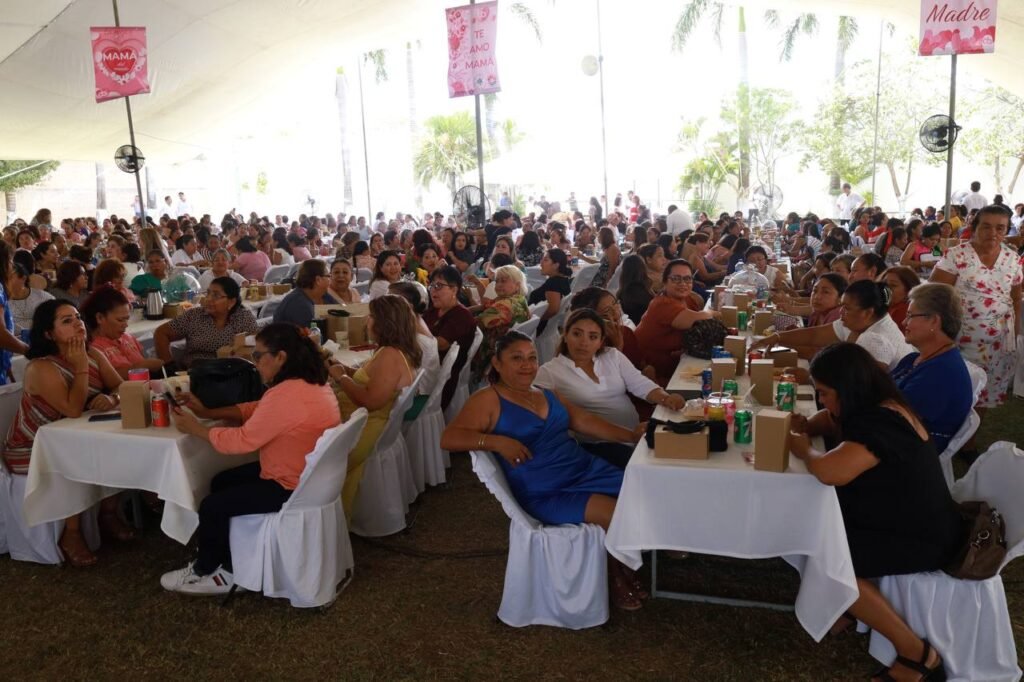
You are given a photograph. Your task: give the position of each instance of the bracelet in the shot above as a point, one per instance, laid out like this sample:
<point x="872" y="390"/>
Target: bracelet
<point x="480" y="443"/>
<point x="85" y="372"/>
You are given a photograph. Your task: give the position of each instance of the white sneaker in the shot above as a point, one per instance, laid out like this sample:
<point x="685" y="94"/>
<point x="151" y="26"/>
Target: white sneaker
<point x="185" y="581"/>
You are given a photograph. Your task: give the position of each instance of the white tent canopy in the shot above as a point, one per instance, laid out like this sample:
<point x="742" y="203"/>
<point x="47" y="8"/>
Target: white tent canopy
<point x="214" y="66"/>
<point x="218" y="67"/>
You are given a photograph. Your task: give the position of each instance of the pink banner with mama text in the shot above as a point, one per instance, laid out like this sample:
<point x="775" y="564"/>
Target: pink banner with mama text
<point x="957" y="27"/>
<point x="472" y="31"/>
<point x="119" y="59"/>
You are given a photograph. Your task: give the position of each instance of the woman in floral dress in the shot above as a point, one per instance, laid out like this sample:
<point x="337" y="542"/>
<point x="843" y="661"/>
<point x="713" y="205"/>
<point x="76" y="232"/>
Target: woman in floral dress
<point x="498" y="316"/>
<point x="988" y="276"/>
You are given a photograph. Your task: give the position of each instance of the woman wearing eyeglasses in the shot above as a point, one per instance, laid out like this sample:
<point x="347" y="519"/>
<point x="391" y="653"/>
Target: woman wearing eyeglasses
<point x="450" y="322"/>
<point x="208" y="327"/>
<point x="660" y="332"/>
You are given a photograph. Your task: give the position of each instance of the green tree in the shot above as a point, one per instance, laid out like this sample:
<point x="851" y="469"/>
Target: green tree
<point x="807" y="24"/>
<point x="828" y="139"/>
<point x="688" y="21"/>
<point x="713" y="164"/>
<point x="993" y="133"/>
<point x="261" y="182"/>
<point x="447" y="150"/>
<point x="773" y="129"/>
<point x="17" y="177"/>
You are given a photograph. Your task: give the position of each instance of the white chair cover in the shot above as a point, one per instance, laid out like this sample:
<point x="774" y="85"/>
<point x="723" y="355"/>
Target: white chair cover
<point x="461" y="394"/>
<point x="556" y="575"/>
<point x="978" y="381"/>
<point x="364" y="275"/>
<point x="613" y="284"/>
<point x="529" y="327"/>
<point x="583" y="278"/>
<point x="538" y="309"/>
<point x="276" y="273"/>
<point x="547" y="342"/>
<point x="423" y="434"/>
<point x="534" y="277"/>
<point x="362" y="287"/>
<point x="387" y="487"/>
<point x="967" y="621"/>
<point x="267" y="311"/>
<point x="23" y="542"/>
<point x="303" y="552"/>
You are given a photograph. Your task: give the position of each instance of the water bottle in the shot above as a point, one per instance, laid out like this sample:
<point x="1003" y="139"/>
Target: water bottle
<point x="314" y="333"/>
<point x="778" y="247"/>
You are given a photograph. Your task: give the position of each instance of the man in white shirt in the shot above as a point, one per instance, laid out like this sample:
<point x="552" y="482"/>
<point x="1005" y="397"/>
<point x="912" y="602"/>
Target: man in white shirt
<point x="188" y="254"/>
<point x="168" y="206"/>
<point x="974" y="200"/>
<point x="847" y="204"/>
<point x="183" y="207"/>
<point x="678" y="220"/>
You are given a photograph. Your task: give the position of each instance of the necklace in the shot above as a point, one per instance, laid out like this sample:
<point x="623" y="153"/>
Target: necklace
<point x="530" y="395"/>
<point x="925" y="358"/>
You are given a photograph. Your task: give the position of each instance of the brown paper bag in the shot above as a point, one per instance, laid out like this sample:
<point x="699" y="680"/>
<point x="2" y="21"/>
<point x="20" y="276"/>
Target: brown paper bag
<point x="136" y="412"/>
<point x="771" y="440"/>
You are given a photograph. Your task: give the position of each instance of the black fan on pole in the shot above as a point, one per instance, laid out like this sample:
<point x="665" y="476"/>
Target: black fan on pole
<point x="470" y="207"/>
<point x="129" y="158"/>
<point x="938" y="133"/>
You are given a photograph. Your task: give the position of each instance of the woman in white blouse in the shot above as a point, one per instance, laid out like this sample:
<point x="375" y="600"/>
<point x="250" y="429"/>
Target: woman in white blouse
<point x="590" y="373"/>
<point x="416" y="295"/>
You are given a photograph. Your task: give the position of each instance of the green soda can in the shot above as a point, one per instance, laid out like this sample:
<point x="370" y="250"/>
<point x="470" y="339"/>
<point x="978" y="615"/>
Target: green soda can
<point x="730" y="386"/>
<point x="785" y="396"/>
<point x="743" y="432"/>
<point x="741" y="320"/>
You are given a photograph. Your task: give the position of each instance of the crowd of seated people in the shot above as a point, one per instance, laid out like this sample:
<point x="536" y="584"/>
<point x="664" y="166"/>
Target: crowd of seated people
<point x="888" y="353"/>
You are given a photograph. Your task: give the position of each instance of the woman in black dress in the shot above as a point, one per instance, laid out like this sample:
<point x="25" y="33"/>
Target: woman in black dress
<point x="555" y="266"/>
<point x="897" y="510"/>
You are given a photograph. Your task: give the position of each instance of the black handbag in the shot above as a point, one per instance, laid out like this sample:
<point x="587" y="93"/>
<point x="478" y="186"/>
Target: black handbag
<point x="984" y="548"/>
<point x="225" y="381"/>
<point x="704" y="335"/>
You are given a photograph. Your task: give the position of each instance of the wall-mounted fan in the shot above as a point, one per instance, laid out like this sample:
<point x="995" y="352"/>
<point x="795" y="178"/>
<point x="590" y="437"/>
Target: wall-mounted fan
<point x="470" y="206"/>
<point x="129" y="158"/>
<point x="938" y="133"/>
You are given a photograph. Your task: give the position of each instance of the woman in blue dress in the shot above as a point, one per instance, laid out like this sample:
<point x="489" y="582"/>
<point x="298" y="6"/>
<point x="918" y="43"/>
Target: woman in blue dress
<point x="554" y="479"/>
<point x="9" y="343"/>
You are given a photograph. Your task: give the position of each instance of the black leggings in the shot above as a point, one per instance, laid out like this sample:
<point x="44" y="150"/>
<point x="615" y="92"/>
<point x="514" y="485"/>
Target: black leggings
<point x="235" y="492"/>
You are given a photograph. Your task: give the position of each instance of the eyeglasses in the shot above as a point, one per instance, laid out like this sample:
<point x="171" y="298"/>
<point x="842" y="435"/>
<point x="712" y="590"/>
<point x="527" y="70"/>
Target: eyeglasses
<point x="680" y="279"/>
<point x="437" y="286"/>
<point x="257" y="354"/>
<point x="909" y="316"/>
<point x="213" y="296"/>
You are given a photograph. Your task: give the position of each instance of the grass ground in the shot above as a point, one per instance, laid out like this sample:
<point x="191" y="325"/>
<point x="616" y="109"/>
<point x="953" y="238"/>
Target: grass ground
<point x="421" y="605"/>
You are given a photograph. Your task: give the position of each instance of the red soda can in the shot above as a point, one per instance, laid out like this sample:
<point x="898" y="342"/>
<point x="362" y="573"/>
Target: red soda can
<point x="161" y="412"/>
<point x="138" y="374"/>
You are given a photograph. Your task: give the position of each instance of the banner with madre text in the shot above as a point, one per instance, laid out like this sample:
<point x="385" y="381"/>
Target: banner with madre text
<point x="957" y="27"/>
<point x="472" y="31"/>
<point x="119" y="59"/>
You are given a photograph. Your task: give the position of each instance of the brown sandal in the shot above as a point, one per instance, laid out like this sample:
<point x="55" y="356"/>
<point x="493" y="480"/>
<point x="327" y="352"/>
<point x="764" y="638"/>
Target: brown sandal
<point x="623" y="595"/>
<point x="77" y="553"/>
<point x="113" y="527"/>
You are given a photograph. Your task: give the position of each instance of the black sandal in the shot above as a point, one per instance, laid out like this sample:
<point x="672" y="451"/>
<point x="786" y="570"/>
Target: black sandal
<point x="927" y="674"/>
<point x="843" y="624"/>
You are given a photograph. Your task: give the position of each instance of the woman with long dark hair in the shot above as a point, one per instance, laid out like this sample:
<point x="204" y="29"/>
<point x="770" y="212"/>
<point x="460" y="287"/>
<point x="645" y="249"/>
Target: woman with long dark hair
<point x="290" y="364"/>
<point x="897" y="510"/>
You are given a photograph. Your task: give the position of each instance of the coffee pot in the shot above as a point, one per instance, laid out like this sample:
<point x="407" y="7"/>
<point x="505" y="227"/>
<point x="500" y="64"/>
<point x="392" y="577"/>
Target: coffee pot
<point x="154" y="305"/>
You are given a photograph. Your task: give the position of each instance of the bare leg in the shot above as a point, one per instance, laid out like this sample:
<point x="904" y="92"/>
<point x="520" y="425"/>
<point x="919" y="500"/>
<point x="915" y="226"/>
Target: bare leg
<point x="599" y="510"/>
<point x="111" y="524"/>
<point x="72" y="544"/>
<point x="873" y="609"/>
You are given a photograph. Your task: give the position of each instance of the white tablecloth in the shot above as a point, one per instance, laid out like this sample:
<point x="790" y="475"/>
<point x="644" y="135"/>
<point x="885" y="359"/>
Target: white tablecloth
<point x="723" y="506"/>
<point x="76" y="463"/>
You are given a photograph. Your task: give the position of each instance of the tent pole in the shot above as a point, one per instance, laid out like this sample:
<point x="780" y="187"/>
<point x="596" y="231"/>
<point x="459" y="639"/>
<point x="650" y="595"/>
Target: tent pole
<point x="479" y="145"/>
<point x="949" y="136"/>
<point x="600" y="78"/>
<point x="131" y="136"/>
<point x="366" y="156"/>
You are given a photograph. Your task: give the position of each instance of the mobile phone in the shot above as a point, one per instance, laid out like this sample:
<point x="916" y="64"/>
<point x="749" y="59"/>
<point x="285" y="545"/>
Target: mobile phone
<point x="106" y="417"/>
<point x="171" y="399"/>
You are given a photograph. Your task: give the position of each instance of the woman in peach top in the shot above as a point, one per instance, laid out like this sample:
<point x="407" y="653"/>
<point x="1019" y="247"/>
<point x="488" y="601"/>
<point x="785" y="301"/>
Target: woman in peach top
<point x="290" y="364"/>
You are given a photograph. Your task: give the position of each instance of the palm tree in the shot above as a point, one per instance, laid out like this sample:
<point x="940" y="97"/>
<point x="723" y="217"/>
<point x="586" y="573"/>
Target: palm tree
<point x="447" y="150"/>
<point x="807" y="24"/>
<point x="101" y="189"/>
<point x="410" y="84"/>
<point x="687" y="23"/>
<point x="341" y="95"/>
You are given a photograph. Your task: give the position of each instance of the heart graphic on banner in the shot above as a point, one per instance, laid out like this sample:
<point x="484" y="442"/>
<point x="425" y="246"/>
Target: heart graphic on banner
<point x="119" y="61"/>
